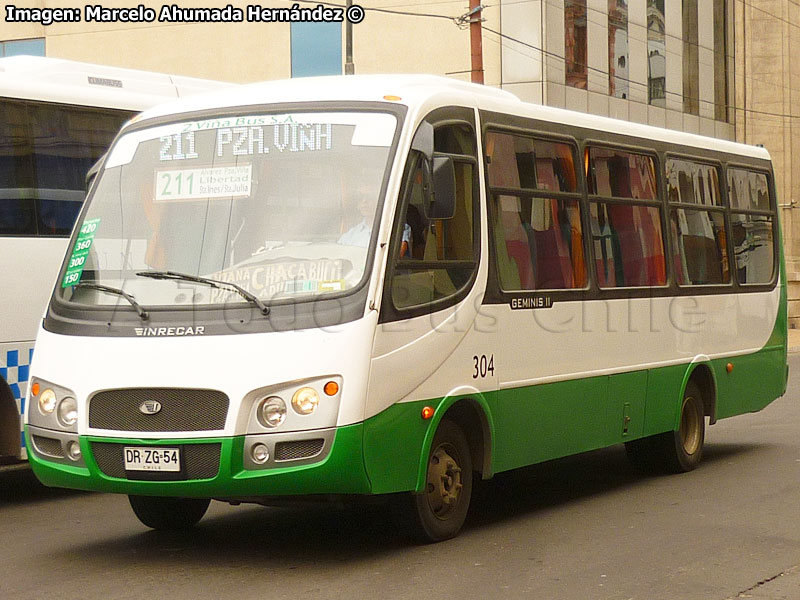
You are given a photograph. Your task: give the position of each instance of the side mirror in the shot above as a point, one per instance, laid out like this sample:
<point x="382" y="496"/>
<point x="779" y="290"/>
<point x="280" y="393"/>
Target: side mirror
<point x="443" y="204"/>
<point x="423" y="140"/>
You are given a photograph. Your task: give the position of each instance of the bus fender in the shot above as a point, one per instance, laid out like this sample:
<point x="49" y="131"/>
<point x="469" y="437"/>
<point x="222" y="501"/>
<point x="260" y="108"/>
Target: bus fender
<point x="10" y="425"/>
<point x="462" y="396"/>
<point x="702" y="368"/>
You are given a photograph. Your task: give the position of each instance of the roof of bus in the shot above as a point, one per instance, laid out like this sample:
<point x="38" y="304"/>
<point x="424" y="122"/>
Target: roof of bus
<point x="71" y="82"/>
<point x="414" y="90"/>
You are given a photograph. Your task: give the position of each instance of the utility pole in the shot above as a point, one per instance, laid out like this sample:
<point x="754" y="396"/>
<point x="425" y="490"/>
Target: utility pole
<point x="349" y="67"/>
<point x="476" y="43"/>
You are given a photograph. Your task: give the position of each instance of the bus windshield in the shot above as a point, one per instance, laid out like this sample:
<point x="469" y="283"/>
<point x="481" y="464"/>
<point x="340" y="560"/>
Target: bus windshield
<point x="281" y="205"/>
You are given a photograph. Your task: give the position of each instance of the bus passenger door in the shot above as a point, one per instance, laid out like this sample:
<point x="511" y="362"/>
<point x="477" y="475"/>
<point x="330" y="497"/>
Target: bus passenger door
<point x="426" y="342"/>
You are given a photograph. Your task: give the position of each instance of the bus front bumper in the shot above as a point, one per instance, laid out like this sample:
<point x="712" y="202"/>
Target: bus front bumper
<point x="217" y="467"/>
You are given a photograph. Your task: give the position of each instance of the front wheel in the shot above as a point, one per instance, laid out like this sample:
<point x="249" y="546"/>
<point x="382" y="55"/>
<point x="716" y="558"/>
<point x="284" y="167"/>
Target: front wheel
<point x="439" y="512"/>
<point x="172" y="514"/>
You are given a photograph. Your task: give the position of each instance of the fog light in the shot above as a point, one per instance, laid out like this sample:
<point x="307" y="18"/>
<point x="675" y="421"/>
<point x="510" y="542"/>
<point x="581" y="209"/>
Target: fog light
<point x="68" y="412"/>
<point x="271" y="411"/>
<point x="259" y="453"/>
<point x="74" y="450"/>
<point x="47" y="402"/>
<point x="305" y="400"/>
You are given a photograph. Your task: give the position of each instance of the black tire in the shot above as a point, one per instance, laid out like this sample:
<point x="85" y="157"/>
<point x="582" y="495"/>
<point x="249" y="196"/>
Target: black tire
<point x="676" y="451"/>
<point x="438" y="513"/>
<point x="169" y="514"/>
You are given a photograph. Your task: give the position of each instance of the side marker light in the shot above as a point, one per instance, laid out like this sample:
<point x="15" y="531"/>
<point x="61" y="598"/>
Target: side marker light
<point x="427" y="412"/>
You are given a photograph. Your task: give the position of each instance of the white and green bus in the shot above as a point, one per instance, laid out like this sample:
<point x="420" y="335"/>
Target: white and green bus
<point x="392" y="285"/>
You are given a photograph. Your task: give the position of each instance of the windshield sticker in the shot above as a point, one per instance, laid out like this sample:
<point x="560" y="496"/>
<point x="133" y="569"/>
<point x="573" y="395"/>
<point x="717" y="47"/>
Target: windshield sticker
<point x="287" y="277"/>
<point x="194" y="184"/>
<point x="77" y="261"/>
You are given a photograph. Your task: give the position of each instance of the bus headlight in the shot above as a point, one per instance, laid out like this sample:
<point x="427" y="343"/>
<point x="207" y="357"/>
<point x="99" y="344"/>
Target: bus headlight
<point x="305" y="400"/>
<point x="47" y="402"/>
<point x="67" y="412"/>
<point x="74" y="451"/>
<point x="271" y="411"/>
<point x="259" y="453"/>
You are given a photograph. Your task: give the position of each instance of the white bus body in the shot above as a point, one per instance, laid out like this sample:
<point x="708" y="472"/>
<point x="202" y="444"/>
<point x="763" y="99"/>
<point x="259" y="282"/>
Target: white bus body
<point x="593" y="283"/>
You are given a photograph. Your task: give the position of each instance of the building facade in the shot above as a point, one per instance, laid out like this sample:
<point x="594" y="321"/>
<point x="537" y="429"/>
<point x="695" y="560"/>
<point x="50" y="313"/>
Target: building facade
<point x="722" y="68"/>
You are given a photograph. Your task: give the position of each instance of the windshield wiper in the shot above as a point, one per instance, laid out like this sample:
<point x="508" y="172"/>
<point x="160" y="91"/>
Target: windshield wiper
<point x="215" y="283"/>
<point x="143" y="314"/>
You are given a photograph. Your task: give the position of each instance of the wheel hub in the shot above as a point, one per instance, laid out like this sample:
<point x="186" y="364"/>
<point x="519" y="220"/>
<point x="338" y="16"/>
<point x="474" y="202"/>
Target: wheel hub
<point x="444" y="482"/>
<point x="690" y="427"/>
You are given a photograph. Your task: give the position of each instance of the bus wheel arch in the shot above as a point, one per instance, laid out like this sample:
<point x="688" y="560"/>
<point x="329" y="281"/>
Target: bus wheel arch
<point x="471" y="417"/>
<point x="10" y="440"/>
<point x="681" y="449"/>
<point x="457" y="447"/>
<point x="702" y="375"/>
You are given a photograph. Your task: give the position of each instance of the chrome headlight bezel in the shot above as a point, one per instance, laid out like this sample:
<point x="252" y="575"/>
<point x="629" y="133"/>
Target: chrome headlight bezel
<point x="47" y="409"/>
<point x="310" y="395"/>
<point x="271" y="412"/>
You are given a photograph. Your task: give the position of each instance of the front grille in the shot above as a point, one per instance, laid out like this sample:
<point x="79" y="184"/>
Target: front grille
<point x="181" y="410"/>
<point x="298" y="450"/>
<point x="198" y="461"/>
<point x="48" y="446"/>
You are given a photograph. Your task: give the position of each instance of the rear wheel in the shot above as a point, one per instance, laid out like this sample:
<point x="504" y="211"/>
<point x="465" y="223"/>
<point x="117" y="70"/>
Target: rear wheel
<point x="172" y="514"/>
<point x="439" y="512"/>
<point x="676" y="451"/>
<point x="688" y="440"/>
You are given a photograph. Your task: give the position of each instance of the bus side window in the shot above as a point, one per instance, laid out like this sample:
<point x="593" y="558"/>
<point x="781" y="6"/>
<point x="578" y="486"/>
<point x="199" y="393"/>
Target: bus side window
<point x="443" y="253"/>
<point x="626" y="219"/>
<point x="538" y="236"/>
<point x="752" y="225"/>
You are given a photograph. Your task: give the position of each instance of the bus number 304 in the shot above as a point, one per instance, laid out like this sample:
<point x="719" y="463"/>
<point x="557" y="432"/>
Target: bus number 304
<point x="482" y="366"/>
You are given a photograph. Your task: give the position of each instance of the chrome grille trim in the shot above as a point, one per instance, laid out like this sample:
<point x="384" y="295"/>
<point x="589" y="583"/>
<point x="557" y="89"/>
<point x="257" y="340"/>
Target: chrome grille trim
<point x="181" y="410"/>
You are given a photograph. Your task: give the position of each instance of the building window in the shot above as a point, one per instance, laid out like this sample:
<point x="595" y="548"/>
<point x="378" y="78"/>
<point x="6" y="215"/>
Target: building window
<point x="33" y="47"/>
<point x="316" y="49"/>
<point x="721" y="60"/>
<point x="575" y="43"/>
<point x="691" y="59"/>
<point x="656" y="54"/>
<point x="618" y="48"/>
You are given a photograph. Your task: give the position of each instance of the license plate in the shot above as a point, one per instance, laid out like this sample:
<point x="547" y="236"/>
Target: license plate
<point x="152" y="459"/>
